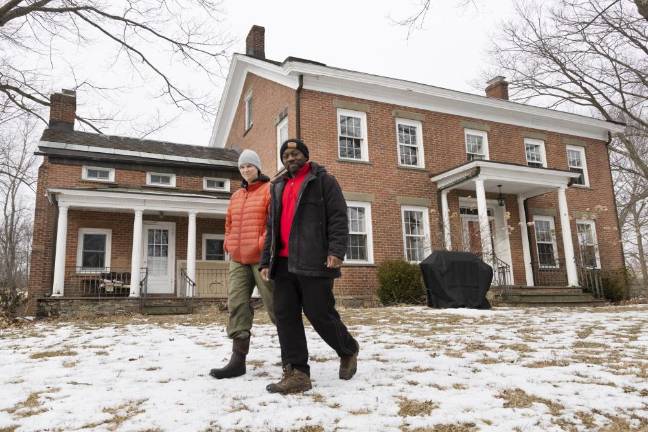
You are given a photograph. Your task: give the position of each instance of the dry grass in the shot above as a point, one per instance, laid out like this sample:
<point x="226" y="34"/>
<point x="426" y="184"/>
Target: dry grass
<point x="118" y="415"/>
<point x="310" y="428"/>
<point x="70" y="363"/>
<point x="409" y="407"/>
<point x="547" y="363"/>
<point x="318" y="398"/>
<point x="32" y="405"/>
<point x="518" y="398"/>
<point x="589" y="345"/>
<point x="461" y="427"/>
<point x="11" y="428"/>
<point x="59" y="353"/>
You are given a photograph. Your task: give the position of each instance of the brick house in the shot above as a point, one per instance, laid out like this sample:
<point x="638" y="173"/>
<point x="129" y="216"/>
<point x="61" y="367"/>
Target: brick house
<point x="424" y="168"/>
<point x="113" y="210"/>
<point x="421" y="167"/>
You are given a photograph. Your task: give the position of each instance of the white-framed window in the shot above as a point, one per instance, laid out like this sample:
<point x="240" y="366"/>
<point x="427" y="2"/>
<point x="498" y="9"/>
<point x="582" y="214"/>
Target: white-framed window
<point x="160" y="179"/>
<point x="416" y="232"/>
<point x="360" y="246"/>
<point x="476" y="144"/>
<point x="545" y="233"/>
<point x="577" y="163"/>
<point x="352" y="135"/>
<point x="409" y="140"/>
<point x="535" y="152"/>
<point x="587" y="243"/>
<point x="216" y="184"/>
<point x="282" y="135"/>
<point x="212" y="247"/>
<point x="99" y="174"/>
<point x="93" y="249"/>
<point x="248" y="111"/>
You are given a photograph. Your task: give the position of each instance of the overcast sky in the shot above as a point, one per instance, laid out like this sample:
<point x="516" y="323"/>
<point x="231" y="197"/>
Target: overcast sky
<point x="450" y="51"/>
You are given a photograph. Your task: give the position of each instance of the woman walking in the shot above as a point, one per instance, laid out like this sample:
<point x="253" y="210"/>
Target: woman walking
<point x="244" y="238"/>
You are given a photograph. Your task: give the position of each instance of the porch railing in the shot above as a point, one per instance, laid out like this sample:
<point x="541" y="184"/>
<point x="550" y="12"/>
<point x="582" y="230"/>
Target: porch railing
<point x="211" y="279"/>
<point x="549" y="274"/>
<point x="104" y="282"/>
<point x="590" y="279"/>
<point x="501" y="269"/>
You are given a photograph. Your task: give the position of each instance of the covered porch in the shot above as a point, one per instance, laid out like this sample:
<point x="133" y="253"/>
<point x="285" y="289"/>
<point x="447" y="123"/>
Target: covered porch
<point x="491" y="195"/>
<point x="118" y="242"/>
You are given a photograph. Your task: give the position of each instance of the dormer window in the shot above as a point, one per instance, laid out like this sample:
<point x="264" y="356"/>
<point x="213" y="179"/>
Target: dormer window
<point x="216" y="184"/>
<point x="99" y="174"/>
<point x="160" y="179"/>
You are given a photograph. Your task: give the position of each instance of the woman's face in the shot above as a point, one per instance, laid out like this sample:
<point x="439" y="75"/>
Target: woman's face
<point x="249" y="172"/>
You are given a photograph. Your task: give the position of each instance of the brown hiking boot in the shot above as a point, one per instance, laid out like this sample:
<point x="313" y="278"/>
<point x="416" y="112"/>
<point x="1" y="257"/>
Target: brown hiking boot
<point x="349" y="364"/>
<point x="292" y="381"/>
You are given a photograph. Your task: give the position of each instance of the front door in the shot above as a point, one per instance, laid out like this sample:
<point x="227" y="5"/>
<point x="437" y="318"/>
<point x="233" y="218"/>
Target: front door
<point x="471" y="233"/>
<point x="159" y="256"/>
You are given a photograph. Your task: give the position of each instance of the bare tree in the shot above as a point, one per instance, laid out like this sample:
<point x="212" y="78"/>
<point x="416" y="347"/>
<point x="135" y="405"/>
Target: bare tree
<point x="17" y="176"/>
<point x="154" y="38"/>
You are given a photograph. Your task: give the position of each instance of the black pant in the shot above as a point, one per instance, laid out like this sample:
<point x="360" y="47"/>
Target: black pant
<point x="314" y="295"/>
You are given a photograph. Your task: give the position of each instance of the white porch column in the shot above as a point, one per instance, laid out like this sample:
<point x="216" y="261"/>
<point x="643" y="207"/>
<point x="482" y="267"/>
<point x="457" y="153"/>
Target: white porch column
<point x="191" y="248"/>
<point x="59" y="257"/>
<point x="568" y="245"/>
<point x="136" y="255"/>
<point x="484" y="226"/>
<point x="445" y="210"/>
<point x="526" y="249"/>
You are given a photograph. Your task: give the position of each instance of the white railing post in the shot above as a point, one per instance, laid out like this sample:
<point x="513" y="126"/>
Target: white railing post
<point x="191" y="250"/>
<point x="136" y="255"/>
<point x="526" y="248"/>
<point x="59" y="256"/>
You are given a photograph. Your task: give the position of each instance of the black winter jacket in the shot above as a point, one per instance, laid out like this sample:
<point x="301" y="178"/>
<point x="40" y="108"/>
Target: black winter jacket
<point x="320" y="226"/>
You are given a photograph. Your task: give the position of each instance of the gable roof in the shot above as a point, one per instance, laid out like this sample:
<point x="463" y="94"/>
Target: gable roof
<point x="323" y="78"/>
<point x="76" y="143"/>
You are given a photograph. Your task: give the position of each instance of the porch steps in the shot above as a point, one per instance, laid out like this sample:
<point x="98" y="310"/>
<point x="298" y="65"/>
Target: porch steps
<point x="166" y="306"/>
<point x="548" y="296"/>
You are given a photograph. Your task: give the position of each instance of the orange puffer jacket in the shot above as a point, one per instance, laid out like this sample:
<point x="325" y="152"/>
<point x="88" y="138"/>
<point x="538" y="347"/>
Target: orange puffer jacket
<point x="245" y="224"/>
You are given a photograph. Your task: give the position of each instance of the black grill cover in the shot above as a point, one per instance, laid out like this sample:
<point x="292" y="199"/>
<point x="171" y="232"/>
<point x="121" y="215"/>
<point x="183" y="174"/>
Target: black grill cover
<point x="456" y="279"/>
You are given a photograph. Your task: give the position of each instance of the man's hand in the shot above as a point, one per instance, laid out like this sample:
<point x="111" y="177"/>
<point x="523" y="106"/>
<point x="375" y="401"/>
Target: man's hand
<point x="333" y="262"/>
<point x="264" y="274"/>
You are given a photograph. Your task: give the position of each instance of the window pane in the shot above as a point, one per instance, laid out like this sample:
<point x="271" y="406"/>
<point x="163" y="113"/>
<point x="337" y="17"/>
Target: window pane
<point x="408" y="155"/>
<point x="94" y="242"/>
<point x="414" y="223"/>
<point x="415" y="248"/>
<point x="214" y="250"/>
<point x="581" y="178"/>
<point x="574" y="158"/>
<point x="98" y="174"/>
<point x="546" y="254"/>
<point x="356" y="219"/>
<point x="93" y="259"/>
<point x="474" y="144"/>
<point x="350" y="148"/>
<point x="215" y="184"/>
<point x="93" y="254"/>
<point x="533" y="153"/>
<point x="357" y="249"/>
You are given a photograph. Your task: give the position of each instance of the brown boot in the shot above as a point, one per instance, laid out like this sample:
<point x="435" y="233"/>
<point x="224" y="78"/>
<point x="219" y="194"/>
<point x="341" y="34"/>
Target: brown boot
<point x="349" y="364"/>
<point x="236" y="365"/>
<point x="292" y="381"/>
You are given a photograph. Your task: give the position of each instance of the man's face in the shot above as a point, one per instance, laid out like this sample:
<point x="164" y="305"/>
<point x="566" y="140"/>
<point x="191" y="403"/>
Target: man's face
<point x="293" y="160"/>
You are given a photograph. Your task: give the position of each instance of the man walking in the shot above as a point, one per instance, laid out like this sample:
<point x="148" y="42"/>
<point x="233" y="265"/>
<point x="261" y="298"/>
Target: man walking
<point x="306" y="240"/>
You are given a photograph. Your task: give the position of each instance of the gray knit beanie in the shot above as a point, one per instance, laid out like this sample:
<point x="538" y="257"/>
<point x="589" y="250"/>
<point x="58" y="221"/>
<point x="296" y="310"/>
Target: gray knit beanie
<point x="250" y="157"/>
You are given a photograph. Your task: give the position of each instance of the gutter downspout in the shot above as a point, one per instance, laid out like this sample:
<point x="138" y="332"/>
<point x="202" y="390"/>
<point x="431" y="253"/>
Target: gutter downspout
<point x="298" y="107"/>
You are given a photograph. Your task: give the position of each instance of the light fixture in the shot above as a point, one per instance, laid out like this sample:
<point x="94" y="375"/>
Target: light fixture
<point x="500" y="197"/>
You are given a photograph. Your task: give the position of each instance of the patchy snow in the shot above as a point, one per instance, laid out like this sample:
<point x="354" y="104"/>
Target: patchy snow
<point x="419" y="369"/>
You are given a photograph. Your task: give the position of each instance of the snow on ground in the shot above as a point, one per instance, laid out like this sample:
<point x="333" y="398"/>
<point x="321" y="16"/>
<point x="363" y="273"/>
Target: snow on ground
<point x="419" y="370"/>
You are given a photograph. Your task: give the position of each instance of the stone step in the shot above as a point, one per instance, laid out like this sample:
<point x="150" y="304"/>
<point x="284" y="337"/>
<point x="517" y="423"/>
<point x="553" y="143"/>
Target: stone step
<point x="553" y="298"/>
<point x="166" y="310"/>
<point x="544" y="290"/>
<point x="593" y="303"/>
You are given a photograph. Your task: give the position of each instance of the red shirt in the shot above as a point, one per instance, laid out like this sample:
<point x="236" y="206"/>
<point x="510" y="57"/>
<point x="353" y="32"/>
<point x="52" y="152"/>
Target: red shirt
<point x="288" y="203"/>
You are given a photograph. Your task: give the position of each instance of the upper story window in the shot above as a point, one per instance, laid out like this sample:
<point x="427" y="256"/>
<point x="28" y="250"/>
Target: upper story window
<point x="409" y="135"/>
<point x="577" y="163"/>
<point x="93" y="249"/>
<point x="282" y="135"/>
<point x="360" y="246"/>
<point x="352" y="135"/>
<point x="216" y="184"/>
<point x="416" y="233"/>
<point x="248" y="111"/>
<point x="587" y="244"/>
<point x="100" y="174"/>
<point x="160" y="179"/>
<point x="476" y="144"/>
<point x="535" y="152"/>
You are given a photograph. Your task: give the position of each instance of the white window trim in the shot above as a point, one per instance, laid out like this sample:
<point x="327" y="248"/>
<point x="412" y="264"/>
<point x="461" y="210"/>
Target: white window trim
<point x="552" y="227"/>
<point x="79" y="257"/>
<point x="581" y="150"/>
<point x="225" y="188"/>
<point x="369" y="227"/>
<point x="419" y="142"/>
<point x="249" y="121"/>
<point x="111" y="174"/>
<point x="481" y="133"/>
<point x="541" y="143"/>
<point x="592" y="225"/>
<point x="170" y="185"/>
<point x="364" y="145"/>
<point x="206" y="237"/>
<point x="427" y="247"/>
<point x="281" y="124"/>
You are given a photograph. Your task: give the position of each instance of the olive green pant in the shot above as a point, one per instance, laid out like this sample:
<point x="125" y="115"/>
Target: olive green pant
<point x="242" y="279"/>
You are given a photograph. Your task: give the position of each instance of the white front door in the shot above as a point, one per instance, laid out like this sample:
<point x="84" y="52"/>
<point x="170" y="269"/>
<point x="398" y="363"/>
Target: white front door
<point x="159" y="256"/>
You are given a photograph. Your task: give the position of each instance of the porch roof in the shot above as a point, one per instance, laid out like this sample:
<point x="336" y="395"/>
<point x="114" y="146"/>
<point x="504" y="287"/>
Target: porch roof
<point x="123" y="199"/>
<point x="513" y="178"/>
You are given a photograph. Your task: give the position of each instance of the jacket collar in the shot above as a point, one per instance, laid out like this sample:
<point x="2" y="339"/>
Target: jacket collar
<point x="255" y="184"/>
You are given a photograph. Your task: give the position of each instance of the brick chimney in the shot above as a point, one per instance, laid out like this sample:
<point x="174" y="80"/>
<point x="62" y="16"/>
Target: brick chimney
<point x="497" y="88"/>
<point x="255" y="42"/>
<point x="62" y="110"/>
